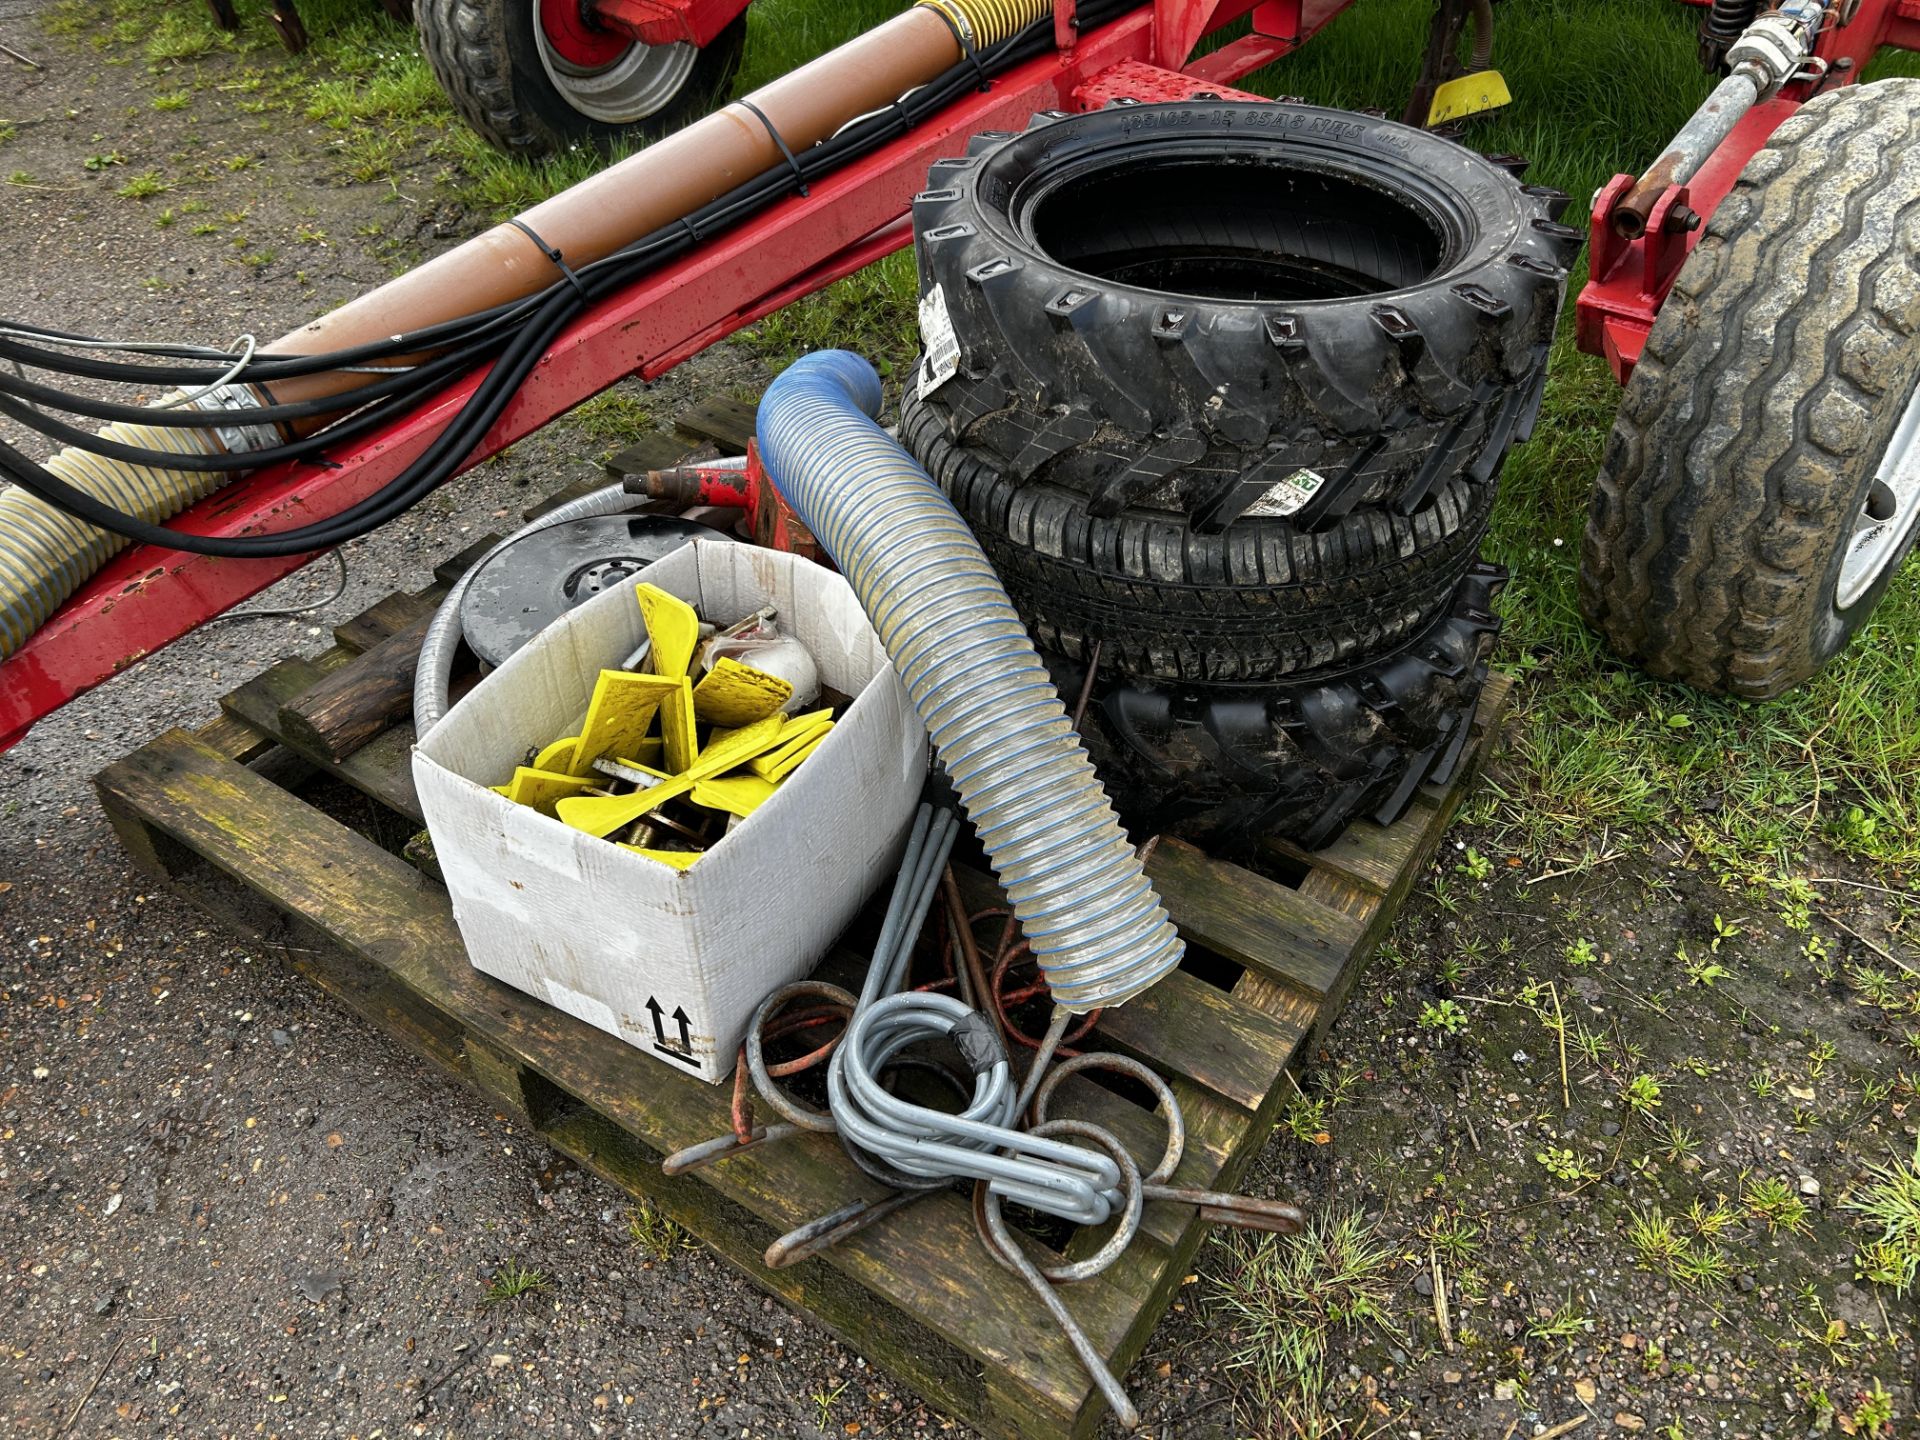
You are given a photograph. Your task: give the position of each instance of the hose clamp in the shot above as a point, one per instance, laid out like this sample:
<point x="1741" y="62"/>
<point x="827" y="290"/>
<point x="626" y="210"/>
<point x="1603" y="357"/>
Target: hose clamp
<point x="238" y="439"/>
<point x="957" y="20"/>
<point x="1774" y="46"/>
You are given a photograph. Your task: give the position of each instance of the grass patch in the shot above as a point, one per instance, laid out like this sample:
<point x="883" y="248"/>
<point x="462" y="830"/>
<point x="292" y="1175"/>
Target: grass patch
<point x="183" y="34"/>
<point x="1890" y="1200"/>
<point x="655" y="1233"/>
<point x="1285" y="1298"/>
<point x="143" y="186"/>
<point x="511" y="1281"/>
<point x="613" y="417"/>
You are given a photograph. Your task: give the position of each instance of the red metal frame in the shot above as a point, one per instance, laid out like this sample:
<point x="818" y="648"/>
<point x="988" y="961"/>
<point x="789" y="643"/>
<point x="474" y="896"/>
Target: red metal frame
<point x="662" y="22"/>
<point x="147" y="597"/>
<point x="1630" y="279"/>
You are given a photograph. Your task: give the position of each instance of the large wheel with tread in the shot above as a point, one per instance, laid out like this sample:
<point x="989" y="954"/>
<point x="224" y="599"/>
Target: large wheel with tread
<point x="1226" y="766"/>
<point x="1762" y="481"/>
<point x="534" y="78"/>
<point x="1228" y="310"/>
<point x="1265" y="599"/>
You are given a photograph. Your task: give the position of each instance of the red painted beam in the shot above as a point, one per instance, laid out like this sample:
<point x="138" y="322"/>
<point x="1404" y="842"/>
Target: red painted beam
<point x="667" y="22"/>
<point x="147" y="597"/>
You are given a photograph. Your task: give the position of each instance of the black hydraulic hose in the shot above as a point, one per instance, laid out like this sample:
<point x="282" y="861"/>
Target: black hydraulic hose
<point x="399" y="382"/>
<point x="546" y="314"/>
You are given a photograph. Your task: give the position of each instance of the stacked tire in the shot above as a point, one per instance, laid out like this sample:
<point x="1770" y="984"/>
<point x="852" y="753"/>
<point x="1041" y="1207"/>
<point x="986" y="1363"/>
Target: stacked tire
<point x="1224" y="389"/>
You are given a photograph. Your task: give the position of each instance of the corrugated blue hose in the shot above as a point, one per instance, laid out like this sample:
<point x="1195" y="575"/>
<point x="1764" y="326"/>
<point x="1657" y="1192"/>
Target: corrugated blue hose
<point x="1093" y="921"/>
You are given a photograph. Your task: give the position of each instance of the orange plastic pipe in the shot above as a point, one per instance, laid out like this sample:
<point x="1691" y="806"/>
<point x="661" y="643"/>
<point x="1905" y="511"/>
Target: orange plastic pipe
<point x="666" y="181"/>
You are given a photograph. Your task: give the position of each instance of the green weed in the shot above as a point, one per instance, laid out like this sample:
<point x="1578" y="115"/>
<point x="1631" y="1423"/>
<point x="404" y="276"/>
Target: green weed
<point x="1285" y="1298"/>
<point x="511" y="1281"/>
<point x="144" y="186"/>
<point x="1890" y="1200"/>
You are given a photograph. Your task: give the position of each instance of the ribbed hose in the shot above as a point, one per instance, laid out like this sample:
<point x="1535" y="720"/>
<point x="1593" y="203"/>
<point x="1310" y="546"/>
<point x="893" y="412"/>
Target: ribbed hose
<point x="1094" y="923"/>
<point x="980" y="23"/>
<point x="46" y="554"/>
<point x="1482" y="56"/>
<point x="433" y="672"/>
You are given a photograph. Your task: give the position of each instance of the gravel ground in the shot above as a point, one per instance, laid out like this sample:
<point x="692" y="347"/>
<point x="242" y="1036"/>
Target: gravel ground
<point x="229" y="1207"/>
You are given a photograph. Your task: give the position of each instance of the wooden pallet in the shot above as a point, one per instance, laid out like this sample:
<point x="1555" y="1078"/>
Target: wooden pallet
<point x="225" y="814"/>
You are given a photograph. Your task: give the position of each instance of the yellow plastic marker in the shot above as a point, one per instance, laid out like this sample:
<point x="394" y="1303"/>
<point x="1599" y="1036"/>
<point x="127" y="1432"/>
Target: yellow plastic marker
<point x="672" y="627"/>
<point x="558" y="757"/>
<point x="621" y="714"/>
<point x="734" y="794"/>
<point x="780" y="763"/>
<point x="678" y="745"/>
<point x="678" y="859"/>
<point x="603" y="814"/>
<point x="734" y="694"/>
<point x="646" y="755"/>
<point x="541" y="788"/>
<point x="730" y="749"/>
<point x="1468" y="95"/>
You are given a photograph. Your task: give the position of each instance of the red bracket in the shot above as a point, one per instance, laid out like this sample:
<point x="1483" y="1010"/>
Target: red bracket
<point x="1617" y="308"/>
<point x="665" y="22"/>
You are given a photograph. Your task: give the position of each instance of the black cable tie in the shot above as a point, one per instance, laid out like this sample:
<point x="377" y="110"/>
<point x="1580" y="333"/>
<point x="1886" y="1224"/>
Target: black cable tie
<point x="965" y="43"/>
<point x="552" y="252"/>
<point x="799" y="175"/>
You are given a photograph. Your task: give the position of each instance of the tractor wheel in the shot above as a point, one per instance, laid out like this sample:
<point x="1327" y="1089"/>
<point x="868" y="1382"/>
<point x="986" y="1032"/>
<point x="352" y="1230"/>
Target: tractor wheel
<point x="1763" y="478"/>
<point x="1228" y="765"/>
<point x="1232" y="310"/>
<point x="534" y="79"/>
<point x="1267" y="598"/>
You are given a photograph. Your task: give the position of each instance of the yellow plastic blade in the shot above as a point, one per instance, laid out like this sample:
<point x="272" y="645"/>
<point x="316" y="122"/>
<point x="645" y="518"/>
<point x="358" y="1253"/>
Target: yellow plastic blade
<point x="780" y="763"/>
<point x="1468" y="95"/>
<point x="541" y="788"/>
<point x="558" y="757"/>
<point x="678" y="745"/>
<point x="730" y="749"/>
<point x="603" y="814"/>
<point x="735" y="694"/>
<point x="734" y="794"/>
<point x="672" y="627"/>
<point x="621" y="714"/>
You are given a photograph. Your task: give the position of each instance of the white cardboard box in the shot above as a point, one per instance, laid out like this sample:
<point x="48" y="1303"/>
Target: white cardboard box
<point x="673" y="961"/>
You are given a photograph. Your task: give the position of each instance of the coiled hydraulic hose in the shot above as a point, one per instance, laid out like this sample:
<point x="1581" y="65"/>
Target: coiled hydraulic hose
<point x="1092" y="919"/>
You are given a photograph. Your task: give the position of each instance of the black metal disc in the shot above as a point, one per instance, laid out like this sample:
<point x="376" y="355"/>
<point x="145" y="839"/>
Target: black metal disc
<point x="534" y="581"/>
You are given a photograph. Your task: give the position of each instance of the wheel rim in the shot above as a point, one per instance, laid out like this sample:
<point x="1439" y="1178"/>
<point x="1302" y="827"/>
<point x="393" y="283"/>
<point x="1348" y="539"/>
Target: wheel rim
<point x="599" y="75"/>
<point x="1888" y="514"/>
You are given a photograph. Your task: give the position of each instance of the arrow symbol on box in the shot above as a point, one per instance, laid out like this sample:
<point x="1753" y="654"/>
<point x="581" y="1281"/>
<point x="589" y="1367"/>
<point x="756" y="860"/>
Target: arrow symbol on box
<point x="684" y="1049"/>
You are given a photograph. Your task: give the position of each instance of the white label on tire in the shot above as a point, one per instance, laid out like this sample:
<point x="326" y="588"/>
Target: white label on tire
<point x="1288" y="494"/>
<point x="942" y="360"/>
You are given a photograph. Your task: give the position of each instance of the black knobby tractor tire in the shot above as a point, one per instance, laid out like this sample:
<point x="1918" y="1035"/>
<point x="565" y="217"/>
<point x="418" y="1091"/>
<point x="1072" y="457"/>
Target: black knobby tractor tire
<point x="1222" y="309"/>
<point x="1264" y="599"/>
<point x="1226" y="766"/>
<point x="486" y="57"/>
<point x="1745" y="452"/>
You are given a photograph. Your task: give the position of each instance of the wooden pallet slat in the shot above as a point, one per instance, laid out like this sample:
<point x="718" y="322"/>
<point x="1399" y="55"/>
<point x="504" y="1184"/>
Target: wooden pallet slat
<point x="1251" y="920"/>
<point x="1271" y="960"/>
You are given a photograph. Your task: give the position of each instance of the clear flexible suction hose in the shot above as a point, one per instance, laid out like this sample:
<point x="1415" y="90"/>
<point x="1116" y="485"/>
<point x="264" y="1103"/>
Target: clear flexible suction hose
<point x="1092" y="919"/>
